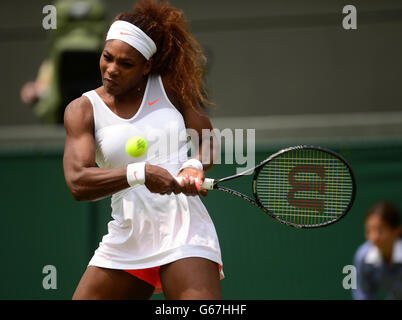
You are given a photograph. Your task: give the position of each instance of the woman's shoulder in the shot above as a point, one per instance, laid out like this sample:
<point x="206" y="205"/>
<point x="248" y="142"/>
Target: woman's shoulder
<point x="171" y="95"/>
<point x="81" y="105"/>
<point x="79" y="111"/>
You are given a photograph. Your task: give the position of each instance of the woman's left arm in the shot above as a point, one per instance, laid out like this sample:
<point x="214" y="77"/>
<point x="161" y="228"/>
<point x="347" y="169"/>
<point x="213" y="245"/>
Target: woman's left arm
<point x="205" y="143"/>
<point x="203" y="138"/>
<point x="206" y="146"/>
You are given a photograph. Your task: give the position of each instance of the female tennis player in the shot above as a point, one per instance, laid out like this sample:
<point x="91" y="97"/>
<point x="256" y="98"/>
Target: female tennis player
<point x="161" y="237"/>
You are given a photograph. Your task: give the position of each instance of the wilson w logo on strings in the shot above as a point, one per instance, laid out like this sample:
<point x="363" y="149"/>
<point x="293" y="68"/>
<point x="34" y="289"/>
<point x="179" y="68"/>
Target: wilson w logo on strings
<point x="310" y="178"/>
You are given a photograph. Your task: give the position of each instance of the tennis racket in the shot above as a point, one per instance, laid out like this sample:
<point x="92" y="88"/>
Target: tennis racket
<point x="302" y="186"/>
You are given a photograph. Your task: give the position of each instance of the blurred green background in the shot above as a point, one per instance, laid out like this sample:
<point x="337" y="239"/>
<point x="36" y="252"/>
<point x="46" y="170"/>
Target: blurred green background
<point x="263" y="259"/>
<point x="285" y="68"/>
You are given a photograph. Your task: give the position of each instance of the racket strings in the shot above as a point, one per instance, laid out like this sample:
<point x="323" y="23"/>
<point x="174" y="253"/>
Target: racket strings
<point x="305" y="187"/>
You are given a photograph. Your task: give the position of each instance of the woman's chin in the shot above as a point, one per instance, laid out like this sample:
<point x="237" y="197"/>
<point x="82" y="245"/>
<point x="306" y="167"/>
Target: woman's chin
<point x="112" y="90"/>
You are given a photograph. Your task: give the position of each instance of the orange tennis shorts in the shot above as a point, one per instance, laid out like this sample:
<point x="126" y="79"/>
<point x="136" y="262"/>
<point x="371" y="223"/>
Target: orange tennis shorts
<point x="149" y="275"/>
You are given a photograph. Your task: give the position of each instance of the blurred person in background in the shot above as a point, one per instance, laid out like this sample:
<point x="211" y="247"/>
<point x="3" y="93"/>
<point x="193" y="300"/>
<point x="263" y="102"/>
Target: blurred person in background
<point x="76" y="41"/>
<point x="378" y="261"/>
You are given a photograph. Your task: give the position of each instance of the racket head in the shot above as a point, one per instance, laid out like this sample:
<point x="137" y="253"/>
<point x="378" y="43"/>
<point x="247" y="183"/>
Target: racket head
<point x="305" y="186"/>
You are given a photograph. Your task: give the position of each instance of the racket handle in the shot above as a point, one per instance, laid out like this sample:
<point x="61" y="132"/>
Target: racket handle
<point x="208" y="183"/>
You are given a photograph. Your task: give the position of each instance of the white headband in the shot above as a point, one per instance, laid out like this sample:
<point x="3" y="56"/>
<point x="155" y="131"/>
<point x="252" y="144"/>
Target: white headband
<point x="132" y="35"/>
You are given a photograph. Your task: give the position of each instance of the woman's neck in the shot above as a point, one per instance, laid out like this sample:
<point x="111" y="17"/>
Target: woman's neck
<point x="135" y="93"/>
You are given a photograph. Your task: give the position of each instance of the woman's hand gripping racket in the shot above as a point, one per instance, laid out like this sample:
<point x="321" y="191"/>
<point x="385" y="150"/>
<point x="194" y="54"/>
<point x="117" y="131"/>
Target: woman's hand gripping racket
<point x="302" y="186"/>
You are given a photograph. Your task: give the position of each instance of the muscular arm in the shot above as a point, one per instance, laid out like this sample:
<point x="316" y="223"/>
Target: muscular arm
<point x="84" y="180"/>
<point x="208" y="147"/>
<point x="87" y="182"/>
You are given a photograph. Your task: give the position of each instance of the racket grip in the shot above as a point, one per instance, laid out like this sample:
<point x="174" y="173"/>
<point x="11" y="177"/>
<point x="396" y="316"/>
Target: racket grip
<point x="208" y="183"/>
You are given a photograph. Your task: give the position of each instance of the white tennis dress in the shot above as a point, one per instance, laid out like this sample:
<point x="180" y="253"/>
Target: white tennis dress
<point x="149" y="229"/>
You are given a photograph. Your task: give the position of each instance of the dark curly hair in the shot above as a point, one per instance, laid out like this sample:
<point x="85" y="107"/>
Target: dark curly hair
<point x="179" y="58"/>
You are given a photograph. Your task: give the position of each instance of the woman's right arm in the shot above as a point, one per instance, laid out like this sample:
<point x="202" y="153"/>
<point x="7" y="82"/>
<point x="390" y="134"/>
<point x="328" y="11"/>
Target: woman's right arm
<point x="87" y="182"/>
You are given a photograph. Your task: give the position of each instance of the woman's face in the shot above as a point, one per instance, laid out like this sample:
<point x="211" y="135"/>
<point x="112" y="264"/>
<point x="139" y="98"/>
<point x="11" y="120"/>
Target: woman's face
<point x="380" y="233"/>
<point x="122" y="67"/>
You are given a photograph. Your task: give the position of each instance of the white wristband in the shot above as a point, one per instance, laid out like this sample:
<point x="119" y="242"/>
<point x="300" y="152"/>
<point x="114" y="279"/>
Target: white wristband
<point x="192" y="163"/>
<point x="136" y="173"/>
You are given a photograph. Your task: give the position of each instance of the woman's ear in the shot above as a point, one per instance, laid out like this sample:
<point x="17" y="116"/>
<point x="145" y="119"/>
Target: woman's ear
<point x="147" y="67"/>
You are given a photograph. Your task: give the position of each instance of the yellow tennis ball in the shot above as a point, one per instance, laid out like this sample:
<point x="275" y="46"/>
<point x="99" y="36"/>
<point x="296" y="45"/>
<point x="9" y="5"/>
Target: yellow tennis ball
<point x="136" y="146"/>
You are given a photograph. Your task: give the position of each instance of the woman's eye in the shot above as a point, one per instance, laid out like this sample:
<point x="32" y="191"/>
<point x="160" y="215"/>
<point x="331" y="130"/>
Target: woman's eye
<point x="106" y="57"/>
<point x="127" y="65"/>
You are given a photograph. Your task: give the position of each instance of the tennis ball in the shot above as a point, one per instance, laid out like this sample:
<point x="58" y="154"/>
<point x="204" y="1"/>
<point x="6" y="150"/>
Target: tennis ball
<point x="136" y="146"/>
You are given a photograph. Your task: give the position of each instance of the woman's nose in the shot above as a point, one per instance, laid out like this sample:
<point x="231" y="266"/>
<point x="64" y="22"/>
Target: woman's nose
<point x="112" y="69"/>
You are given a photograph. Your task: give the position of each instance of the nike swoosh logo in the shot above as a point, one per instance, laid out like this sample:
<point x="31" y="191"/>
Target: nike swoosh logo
<point x="126" y="34"/>
<point x="152" y="102"/>
<point x="135" y="175"/>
